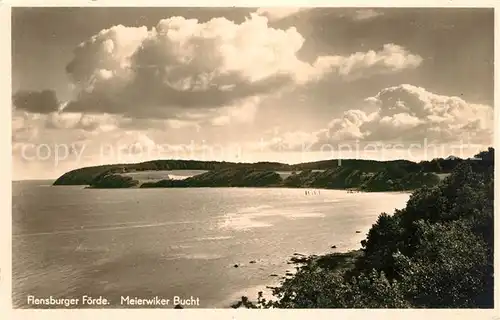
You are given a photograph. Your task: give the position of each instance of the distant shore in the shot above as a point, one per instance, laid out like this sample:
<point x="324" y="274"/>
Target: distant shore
<point x="351" y="178"/>
<point x="266" y="187"/>
<point x="340" y="173"/>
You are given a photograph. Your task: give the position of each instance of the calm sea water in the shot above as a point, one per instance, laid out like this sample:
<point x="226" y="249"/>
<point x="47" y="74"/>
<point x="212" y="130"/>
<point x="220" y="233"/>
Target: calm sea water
<point x="69" y="241"/>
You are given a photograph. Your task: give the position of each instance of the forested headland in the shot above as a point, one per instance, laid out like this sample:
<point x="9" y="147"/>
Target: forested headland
<point x="363" y="175"/>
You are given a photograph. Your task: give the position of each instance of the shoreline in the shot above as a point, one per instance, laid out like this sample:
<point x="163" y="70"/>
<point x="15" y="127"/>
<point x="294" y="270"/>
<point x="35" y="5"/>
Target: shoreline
<point x="337" y="261"/>
<point x="348" y="190"/>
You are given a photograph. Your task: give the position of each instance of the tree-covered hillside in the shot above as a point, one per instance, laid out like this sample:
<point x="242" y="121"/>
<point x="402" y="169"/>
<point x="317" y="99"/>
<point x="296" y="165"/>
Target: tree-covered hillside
<point x="85" y="176"/>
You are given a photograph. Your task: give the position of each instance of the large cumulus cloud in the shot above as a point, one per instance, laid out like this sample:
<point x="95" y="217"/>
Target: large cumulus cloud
<point x="404" y="114"/>
<point x="183" y="66"/>
<point x="412" y="113"/>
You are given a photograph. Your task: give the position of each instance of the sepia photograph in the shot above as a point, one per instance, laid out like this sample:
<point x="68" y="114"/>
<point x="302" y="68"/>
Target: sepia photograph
<point x="252" y="158"/>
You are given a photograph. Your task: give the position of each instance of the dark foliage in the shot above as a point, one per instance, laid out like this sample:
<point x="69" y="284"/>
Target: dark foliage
<point x="114" y="181"/>
<point x="222" y="178"/>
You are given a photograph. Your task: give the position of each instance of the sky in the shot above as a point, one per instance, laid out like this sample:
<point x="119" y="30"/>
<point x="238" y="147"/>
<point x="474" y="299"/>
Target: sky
<point x="102" y="85"/>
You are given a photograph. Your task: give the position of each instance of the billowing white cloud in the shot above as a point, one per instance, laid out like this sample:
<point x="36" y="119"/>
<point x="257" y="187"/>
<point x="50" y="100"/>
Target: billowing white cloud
<point x="348" y="127"/>
<point x="392" y="58"/>
<point x="405" y="114"/>
<point x="411" y="112"/>
<point x="180" y="66"/>
<point x="183" y="69"/>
